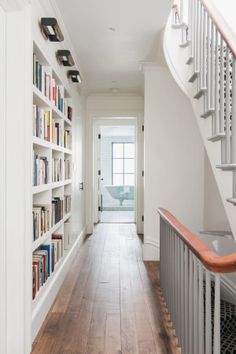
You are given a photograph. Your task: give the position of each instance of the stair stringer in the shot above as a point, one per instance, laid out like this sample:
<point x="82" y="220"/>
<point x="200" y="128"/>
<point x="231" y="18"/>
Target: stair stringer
<point x="176" y="58"/>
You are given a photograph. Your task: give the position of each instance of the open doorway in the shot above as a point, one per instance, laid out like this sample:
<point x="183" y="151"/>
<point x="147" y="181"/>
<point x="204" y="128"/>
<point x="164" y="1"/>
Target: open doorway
<point x="116" y="158"/>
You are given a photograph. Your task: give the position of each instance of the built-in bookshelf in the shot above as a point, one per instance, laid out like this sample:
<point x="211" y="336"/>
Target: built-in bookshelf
<point x="52" y="115"/>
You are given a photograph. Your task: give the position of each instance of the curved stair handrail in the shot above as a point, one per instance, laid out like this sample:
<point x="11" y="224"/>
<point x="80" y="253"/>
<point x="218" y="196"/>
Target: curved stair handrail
<point x="209" y="258"/>
<point x="190" y="274"/>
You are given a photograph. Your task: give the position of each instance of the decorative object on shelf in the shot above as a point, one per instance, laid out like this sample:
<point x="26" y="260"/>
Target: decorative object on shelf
<point x="51" y="30"/>
<point x="74" y="75"/>
<point x="64" y="57"/>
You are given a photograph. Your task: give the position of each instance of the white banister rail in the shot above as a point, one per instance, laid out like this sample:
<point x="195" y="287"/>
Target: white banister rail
<point x="190" y="275"/>
<point x="212" y="53"/>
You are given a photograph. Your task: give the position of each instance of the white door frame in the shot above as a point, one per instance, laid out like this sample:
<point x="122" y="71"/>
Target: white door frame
<point x="98" y="123"/>
<point x="15" y="176"/>
<point x="120" y="118"/>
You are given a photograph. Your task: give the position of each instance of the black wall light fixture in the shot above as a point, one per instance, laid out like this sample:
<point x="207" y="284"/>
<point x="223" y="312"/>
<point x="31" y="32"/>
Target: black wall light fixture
<point x="74" y="75"/>
<point x="64" y="57"/>
<point x="51" y="30"/>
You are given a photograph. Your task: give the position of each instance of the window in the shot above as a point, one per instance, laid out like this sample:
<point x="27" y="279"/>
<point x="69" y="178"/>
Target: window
<point x="123" y="163"/>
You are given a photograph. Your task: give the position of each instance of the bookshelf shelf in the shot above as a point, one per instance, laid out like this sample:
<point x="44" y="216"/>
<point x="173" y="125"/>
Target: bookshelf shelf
<point x="41" y="240"/>
<point x="39" y="98"/>
<point x="51" y="142"/>
<point x="41" y="188"/>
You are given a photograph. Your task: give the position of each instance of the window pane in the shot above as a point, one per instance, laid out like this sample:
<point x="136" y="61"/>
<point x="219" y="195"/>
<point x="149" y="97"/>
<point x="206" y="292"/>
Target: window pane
<point x="118" y="165"/>
<point x="129" y="165"/>
<point x="118" y="150"/>
<point x="129" y="150"/>
<point x="118" y="180"/>
<point x="129" y="180"/>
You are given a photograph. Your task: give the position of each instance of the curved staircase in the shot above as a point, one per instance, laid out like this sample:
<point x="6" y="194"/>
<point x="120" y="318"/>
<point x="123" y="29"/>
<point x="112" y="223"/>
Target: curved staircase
<point x="200" y="52"/>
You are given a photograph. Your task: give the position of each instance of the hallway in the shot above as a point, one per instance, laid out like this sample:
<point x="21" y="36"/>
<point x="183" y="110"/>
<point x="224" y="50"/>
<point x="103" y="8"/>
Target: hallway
<point x="108" y="302"/>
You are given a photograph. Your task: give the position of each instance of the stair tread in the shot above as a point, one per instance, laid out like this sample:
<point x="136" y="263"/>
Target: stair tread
<point x="227" y="166"/>
<point x="194" y="76"/>
<point x="207" y="113"/>
<point x="216" y="137"/>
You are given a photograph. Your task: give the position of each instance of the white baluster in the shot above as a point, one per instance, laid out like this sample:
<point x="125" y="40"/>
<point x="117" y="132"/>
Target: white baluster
<point x="216" y="349"/>
<point x="227" y="118"/>
<point x="208" y="326"/>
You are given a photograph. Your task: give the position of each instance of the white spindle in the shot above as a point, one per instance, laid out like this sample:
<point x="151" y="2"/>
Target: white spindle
<point x="190" y="308"/>
<point x="200" y="310"/>
<point x="227" y="118"/>
<point x="216" y="349"/>
<point x="208" y="63"/>
<point x="217" y="88"/>
<point x="222" y="85"/>
<point x="208" y="330"/>
<point x="186" y="299"/>
<point x="195" y="305"/>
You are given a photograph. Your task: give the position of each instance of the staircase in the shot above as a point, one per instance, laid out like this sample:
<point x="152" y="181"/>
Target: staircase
<point x="200" y="51"/>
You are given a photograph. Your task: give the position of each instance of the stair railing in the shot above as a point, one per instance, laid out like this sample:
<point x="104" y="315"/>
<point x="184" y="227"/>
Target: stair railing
<point x="190" y="275"/>
<point x="212" y="53"/>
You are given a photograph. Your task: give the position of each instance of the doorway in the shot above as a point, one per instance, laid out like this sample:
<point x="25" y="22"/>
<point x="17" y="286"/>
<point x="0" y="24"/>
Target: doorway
<point x="115" y="157"/>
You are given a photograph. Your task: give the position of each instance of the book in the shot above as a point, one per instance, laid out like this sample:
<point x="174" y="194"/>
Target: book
<point x="57" y="210"/>
<point x="41" y="123"/>
<point x="67" y="139"/>
<point x="57" y="241"/>
<point x="67" y="203"/>
<point x="56" y="169"/>
<point x="41" y="77"/>
<point x="68" y="171"/>
<point x="40" y="169"/>
<point x="67" y="235"/>
<point x="41" y="220"/>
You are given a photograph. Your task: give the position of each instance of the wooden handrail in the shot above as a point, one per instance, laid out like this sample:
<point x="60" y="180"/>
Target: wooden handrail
<point x="210" y="259"/>
<point x="228" y="35"/>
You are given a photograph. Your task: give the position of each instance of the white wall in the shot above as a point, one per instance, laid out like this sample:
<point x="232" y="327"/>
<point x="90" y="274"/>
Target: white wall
<point x="214" y="213"/>
<point x="174" y="158"/>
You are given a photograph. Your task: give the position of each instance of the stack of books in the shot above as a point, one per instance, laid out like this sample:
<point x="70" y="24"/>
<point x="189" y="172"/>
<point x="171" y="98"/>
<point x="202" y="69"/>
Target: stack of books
<point x="67" y="201"/>
<point x="40" y="169"/>
<point x="57" y="249"/>
<point x="40" y="268"/>
<point x="57" y="133"/>
<point x="57" y="96"/>
<point x="67" y="139"/>
<point x="56" y="169"/>
<point x="67" y="169"/>
<point x="41" y="78"/>
<point x="41" y="220"/>
<point x="57" y="210"/>
<point x="41" y="123"/>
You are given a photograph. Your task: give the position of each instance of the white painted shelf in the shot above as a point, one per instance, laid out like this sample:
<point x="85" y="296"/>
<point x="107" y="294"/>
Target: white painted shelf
<point x="43" y="194"/>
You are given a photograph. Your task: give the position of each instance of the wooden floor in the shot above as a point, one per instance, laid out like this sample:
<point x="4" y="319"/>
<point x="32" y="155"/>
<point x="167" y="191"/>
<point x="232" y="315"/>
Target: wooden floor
<point x="108" y="302"/>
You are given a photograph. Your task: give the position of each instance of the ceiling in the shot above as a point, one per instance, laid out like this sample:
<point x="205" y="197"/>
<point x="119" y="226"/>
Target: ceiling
<point x="111" y="38"/>
<point x="125" y="130"/>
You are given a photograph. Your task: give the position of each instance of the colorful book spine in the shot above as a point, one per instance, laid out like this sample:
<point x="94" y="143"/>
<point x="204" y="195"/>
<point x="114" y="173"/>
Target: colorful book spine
<point x="67" y="139"/>
<point x="57" y="210"/>
<point x="41" y="123"/>
<point x="68" y="204"/>
<point x="41" y="78"/>
<point x="40" y="268"/>
<point x="41" y="220"/>
<point x="68" y="170"/>
<point x="56" y="169"/>
<point x="40" y="169"/>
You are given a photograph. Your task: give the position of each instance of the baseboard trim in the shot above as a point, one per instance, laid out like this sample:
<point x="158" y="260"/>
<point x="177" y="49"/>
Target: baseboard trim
<point x="45" y="302"/>
<point x="151" y="251"/>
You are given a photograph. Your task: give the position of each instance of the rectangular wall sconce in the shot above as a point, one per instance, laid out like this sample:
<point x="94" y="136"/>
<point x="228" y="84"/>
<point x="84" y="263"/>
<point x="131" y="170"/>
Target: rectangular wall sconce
<point x="64" y="57"/>
<point x="51" y="30"/>
<point x="74" y="75"/>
